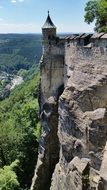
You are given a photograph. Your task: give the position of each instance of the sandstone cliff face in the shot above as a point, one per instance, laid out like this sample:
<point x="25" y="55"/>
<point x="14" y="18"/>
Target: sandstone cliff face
<point x="49" y="146"/>
<point x="73" y="147"/>
<point x="82" y="128"/>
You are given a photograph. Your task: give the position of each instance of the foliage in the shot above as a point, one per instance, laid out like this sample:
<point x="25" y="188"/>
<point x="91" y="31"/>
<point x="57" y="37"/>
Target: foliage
<point x="85" y="181"/>
<point x="37" y="132"/>
<point x="19" y="121"/>
<point x="8" y="177"/>
<point x="97" y="10"/>
<point x="19" y="51"/>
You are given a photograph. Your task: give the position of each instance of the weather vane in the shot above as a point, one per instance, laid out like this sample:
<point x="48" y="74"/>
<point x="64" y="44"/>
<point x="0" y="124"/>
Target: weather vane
<point x="48" y="12"/>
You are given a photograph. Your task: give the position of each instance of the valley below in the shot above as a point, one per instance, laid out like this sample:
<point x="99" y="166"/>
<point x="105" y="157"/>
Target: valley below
<point x="8" y="82"/>
<point x="19" y="122"/>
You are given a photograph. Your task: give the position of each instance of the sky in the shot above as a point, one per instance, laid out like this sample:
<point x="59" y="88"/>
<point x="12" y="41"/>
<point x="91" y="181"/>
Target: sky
<point x="28" y="16"/>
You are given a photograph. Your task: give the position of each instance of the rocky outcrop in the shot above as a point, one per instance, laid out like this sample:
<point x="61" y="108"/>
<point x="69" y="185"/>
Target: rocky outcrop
<point x="103" y="171"/>
<point x="49" y="146"/>
<point x="82" y="128"/>
<point x="73" y="146"/>
<point x="76" y="176"/>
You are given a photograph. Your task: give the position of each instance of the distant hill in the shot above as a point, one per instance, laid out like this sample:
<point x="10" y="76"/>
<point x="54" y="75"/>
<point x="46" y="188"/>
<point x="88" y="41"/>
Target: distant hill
<point x="19" y="51"/>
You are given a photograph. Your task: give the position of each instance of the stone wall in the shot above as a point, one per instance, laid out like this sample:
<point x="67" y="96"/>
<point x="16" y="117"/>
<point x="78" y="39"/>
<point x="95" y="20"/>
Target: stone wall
<point x="82" y="128"/>
<point x="52" y="68"/>
<point x="74" y="119"/>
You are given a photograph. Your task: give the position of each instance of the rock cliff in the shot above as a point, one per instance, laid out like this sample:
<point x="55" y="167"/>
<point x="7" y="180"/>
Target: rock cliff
<point x="73" y="145"/>
<point x="82" y="128"/>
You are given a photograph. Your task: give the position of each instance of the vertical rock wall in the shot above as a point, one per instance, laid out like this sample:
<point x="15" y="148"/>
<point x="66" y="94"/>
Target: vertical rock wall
<point x="49" y="146"/>
<point x="82" y="128"/>
<point x="52" y="72"/>
<point x="74" y="119"/>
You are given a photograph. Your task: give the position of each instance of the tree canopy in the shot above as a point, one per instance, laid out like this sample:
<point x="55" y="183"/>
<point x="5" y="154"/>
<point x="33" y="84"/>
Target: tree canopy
<point x="8" y="177"/>
<point x="19" y="135"/>
<point x="20" y="127"/>
<point x="96" y="10"/>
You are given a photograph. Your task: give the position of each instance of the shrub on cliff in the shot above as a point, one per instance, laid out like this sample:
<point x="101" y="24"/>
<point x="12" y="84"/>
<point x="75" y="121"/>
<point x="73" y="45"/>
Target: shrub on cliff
<point x="97" y="10"/>
<point x="8" y="177"/>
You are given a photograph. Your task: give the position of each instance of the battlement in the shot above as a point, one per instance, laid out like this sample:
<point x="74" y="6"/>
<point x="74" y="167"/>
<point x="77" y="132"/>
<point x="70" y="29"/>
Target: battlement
<point x="82" y="49"/>
<point x="84" y="40"/>
<point x="88" y="40"/>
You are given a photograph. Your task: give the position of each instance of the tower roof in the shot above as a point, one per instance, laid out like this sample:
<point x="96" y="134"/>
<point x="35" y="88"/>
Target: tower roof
<point x="48" y="23"/>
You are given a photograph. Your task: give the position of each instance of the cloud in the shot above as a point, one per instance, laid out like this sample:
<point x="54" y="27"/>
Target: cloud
<point x="1" y="7"/>
<point x="6" y="27"/>
<point x="69" y="28"/>
<point x="1" y="19"/>
<point x="16" y="1"/>
<point x="13" y="1"/>
<point x="20" y="0"/>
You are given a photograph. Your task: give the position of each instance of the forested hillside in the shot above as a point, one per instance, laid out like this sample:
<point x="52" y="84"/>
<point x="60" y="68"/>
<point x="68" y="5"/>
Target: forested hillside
<point x="19" y="51"/>
<point x="19" y="134"/>
<point x="19" y="59"/>
<point x="19" y="110"/>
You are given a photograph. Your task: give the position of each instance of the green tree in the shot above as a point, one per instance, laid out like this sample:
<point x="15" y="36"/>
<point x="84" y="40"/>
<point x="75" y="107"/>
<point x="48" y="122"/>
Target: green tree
<point x="8" y="177"/>
<point x="96" y="10"/>
<point x="20" y="130"/>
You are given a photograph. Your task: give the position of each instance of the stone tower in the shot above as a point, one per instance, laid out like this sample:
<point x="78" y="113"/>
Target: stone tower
<point x="52" y="63"/>
<point x="48" y="32"/>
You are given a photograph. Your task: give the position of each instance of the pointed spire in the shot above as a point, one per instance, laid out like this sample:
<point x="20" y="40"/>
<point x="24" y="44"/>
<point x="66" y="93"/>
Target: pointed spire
<point x="48" y="23"/>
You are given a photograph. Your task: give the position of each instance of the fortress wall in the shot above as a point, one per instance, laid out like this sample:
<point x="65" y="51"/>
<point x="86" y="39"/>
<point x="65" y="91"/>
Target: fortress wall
<point x="79" y="130"/>
<point x="60" y="56"/>
<point x="53" y="46"/>
<point x="94" y="52"/>
<point x="52" y="69"/>
<point x="82" y="129"/>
